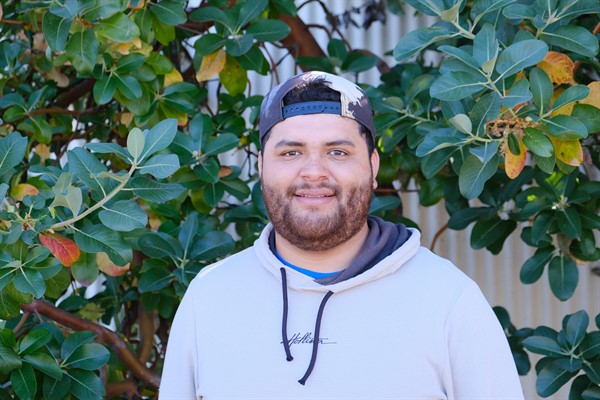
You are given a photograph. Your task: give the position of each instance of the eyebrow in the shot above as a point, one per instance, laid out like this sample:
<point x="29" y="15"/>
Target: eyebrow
<point x="293" y="143"/>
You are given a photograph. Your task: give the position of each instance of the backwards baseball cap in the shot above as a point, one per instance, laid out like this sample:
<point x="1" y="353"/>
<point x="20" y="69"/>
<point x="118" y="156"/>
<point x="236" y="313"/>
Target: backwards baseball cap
<point x="353" y="102"/>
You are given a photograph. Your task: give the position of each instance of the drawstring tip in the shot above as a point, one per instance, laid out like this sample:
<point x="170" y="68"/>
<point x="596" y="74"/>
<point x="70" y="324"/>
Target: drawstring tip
<point x="289" y="358"/>
<point x="302" y="381"/>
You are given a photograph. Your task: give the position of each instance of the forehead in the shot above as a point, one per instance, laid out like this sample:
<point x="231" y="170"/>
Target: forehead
<point x="316" y="129"/>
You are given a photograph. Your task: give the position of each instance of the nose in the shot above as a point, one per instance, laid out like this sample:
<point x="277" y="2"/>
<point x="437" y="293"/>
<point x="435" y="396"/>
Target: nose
<point x="314" y="169"/>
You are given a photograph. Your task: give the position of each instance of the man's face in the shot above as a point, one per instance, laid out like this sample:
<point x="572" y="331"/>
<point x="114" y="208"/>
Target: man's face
<point x="317" y="180"/>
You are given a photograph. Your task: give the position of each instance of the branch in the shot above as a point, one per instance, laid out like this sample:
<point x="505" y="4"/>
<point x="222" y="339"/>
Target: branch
<point x="75" y="93"/>
<point x="437" y="236"/>
<point x="105" y="336"/>
<point x="300" y="42"/>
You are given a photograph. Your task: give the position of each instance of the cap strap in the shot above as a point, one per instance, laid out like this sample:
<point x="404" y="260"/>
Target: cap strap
<point x="312" y="107"/>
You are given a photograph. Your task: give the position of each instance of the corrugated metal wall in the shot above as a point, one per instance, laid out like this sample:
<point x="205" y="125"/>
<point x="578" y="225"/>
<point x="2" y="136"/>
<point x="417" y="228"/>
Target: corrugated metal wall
<point x="498" y="276"/>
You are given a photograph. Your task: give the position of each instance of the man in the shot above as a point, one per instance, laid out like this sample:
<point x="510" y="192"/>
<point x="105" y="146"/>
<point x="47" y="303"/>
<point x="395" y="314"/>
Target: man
<point x="330" y="303"/>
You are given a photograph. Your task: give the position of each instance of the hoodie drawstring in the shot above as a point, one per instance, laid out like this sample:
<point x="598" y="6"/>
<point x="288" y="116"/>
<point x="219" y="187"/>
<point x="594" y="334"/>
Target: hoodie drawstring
<point x="284" y="337"/>
<point x="286" y="344"/>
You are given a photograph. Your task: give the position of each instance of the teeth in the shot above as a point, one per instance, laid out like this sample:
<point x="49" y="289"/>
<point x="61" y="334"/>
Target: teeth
<point x="315" y="197"/>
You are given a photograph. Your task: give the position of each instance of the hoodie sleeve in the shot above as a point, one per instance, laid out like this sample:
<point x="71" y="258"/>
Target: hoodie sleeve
<point x="479" y="363"/>
<point x="181" y="363"/>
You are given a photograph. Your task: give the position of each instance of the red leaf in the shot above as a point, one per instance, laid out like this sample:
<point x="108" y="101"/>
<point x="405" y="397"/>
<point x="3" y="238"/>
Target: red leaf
<point x="62" y="248"/>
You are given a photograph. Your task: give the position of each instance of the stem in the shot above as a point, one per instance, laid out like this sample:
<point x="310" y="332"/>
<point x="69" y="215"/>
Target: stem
<point x="98" y="205"/>
<point x="105" y="336"/>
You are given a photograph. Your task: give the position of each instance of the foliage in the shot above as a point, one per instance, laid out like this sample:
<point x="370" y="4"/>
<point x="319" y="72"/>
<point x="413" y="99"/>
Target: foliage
<point x="114" y="171"/>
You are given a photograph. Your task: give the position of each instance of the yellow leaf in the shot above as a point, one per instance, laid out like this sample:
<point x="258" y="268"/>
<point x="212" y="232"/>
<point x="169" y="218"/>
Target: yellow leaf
<point x="108" y="267"/>
<point x="39" y="42"/>
<point x="61" y="79"/>
<point x="126" y="118"/>
<point x="21" y="190"/>
<point x="211" y="65"/>
<point x="513" y="164"/>
<point x="126" y="48"/>
<point x="569" y="152"/>
<point x="43" y="151"/>
<point x="559" y="67"/>
<point x="593" y="99"/>
<point x="173" y="77"/>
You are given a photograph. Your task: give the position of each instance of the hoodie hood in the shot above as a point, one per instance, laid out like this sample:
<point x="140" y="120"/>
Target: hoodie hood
<point x="387" y="248"/>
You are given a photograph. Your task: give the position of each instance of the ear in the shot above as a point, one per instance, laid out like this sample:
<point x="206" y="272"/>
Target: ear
<point x="375" y="167"/>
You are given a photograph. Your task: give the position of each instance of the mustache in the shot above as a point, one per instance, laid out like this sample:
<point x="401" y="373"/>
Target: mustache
<point x="307" y="186"/>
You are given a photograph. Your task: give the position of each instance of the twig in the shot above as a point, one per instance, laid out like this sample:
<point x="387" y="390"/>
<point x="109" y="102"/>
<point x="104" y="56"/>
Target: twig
<point x="437" y="236"/>
<point x="22" y="322"/>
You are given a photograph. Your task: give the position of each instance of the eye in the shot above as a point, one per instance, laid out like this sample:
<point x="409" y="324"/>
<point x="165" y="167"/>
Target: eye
<point x="337" y="153"/>
<point x="290" y="153"/>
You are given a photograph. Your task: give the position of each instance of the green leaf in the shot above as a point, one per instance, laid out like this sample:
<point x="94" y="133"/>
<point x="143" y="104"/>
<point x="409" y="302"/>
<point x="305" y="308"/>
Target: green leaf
<point x="543" y="345"/>
<point x="461" y="55"/>
<point x="456" y="86"/>
<point x="129" y="86"/>
<point x="417" y="40"/>
<point x="12" y="151"/>
<point x="566" y="127"/>
<point x="208" y="171"/>
<point x="161" y="165"/>
<point x="212" y="14"/>
<point x="130" y="63"/>
<point x="56" y="30"/>
<point x="24" y="382"/>
<point x="9" y="359"/>
<point x="571" y="95"/>
<point x="222" y="143"/>
<point x="85" y="269"/>
<point x="520" y="55"/>
<point x="109" y="148"/>
<point x="482" y="7"/>
<point x="588" y="115"/>
<point x="86" y="385"/>
<point x="28" y="280"/>
<point x="151" y="190"/>
<point x="74" y="341"/>
<point x="542" y="89"/>
<point x="462" y="123"/>
<point x="34" y="340"/>
<point x="269" y="30"/>
<point x="56" y="389"/>
<point x="519" y="12"/>
<point x="485" y="44"/>
<point x="590" y="346"/>
<point x="9" y="307"/>
<point x="159" y="137"/>
<point x="209" y="43"/>
<point x="213" y="244"/>
<point x="570" y="222"/>
<point x="118" y="28"/>
<point x="249" y="11"/>
<point x="575" y="326"/>
<point x="336" y="48"/>
<point x="592" y="371"/>
<point x="169" y="12"/>
<point x="89" y="356"/>
<point x="154" y="279"/>
<point x="86" y="167"/>
<point x="104" y="89"/>
<point x="254" y="60"/>
<point x="519" y="93"/>
<point x="553" y="376"/>
<point x="538" y="143"/>
<point x="486" y="109"/>
<point x="486" y="232"/>
<point x="430" y="7"/>
<point x="123" y="216"/>
<point x="563" y="275"/>
<point x="44" y="363"/>
<point x="573" y="38"/>
<point x="98" y="238"/>
<point x="474" y="174"/>
<point x="82" y="51"/>
<point x="239" y="45"/>
<point x="135" y="143"/>
<point x="102" y="9"/>
<point x="532" y="269"/>
<point x="439" y="139"/>
<point x="158" y="245"/>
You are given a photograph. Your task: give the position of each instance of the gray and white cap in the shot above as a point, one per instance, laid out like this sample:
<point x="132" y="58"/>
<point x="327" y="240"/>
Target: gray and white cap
<point x="353" y="104"/>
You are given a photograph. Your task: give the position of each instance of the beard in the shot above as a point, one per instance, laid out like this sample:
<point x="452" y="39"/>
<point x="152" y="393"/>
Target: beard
<point x="318" y="230"/>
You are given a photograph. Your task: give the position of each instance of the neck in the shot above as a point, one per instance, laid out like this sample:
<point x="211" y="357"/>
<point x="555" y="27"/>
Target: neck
<point x="331" y="260"/>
